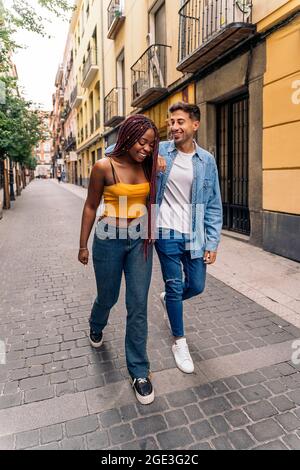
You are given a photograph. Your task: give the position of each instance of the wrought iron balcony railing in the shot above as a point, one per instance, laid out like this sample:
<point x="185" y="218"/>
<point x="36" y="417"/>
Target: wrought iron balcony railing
<point x="114" y="104"/>
<point x="115" y="17"/>
<point x="70" y="143"/>
<point x="149" y="75"/>
<point x="210" y="28"/>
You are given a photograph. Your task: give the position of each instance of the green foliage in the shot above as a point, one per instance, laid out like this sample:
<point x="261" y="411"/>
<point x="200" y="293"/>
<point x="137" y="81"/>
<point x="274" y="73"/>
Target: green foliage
<point x="21" y="127"/>
<point x="23" y="15"/>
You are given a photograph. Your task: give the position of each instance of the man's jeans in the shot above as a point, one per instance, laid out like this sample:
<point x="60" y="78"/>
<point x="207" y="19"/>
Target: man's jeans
<point x="112" y="257"/>
<point x="174" y="255"/>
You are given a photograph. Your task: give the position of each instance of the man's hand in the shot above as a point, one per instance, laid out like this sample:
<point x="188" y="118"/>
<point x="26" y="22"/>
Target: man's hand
<point x="161" y="164"/>
<point x="210" y="257"/>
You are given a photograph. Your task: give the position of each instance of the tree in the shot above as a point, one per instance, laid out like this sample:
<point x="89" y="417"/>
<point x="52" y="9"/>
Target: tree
<point x="20" y="14"/>
<point x="21" y="127"/>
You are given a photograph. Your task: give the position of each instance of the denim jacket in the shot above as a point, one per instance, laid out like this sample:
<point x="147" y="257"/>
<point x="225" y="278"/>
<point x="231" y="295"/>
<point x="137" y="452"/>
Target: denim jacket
<point x="207" y="212"/>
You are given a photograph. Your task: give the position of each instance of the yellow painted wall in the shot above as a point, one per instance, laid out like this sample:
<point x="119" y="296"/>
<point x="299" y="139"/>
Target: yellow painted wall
<point x="267" y="13"/>
<point x="281" y="141"/>
<point x="282" y="191"/>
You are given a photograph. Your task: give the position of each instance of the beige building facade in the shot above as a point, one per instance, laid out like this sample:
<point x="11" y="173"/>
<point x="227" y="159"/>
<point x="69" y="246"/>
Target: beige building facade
<point x="140" y="56"/>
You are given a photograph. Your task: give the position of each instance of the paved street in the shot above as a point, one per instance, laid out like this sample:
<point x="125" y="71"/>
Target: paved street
<point x="58" y="393"/>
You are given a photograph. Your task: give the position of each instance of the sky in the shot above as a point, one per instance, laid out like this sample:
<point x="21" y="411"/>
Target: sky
<point x="37" y="64"/>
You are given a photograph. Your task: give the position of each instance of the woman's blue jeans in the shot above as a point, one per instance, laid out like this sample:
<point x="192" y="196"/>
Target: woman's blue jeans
<point x="184" y="277"/>
<point x="115" y="253"/>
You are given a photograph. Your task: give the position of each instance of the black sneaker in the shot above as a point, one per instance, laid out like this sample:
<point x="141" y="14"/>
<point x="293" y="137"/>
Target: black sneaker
<point x="143" y="390"/>
<point x="96" y="339"/>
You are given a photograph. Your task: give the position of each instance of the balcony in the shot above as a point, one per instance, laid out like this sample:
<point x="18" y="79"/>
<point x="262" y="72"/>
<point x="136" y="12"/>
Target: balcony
<point x="70" y="143"/>
<point x="211" y="28"/>
<point x="115" y="18"/>
<point x="90" y="68"/>
<point x="149" y="76"/>
<point x="76" y="97"/>
<point x="114" y="107"/>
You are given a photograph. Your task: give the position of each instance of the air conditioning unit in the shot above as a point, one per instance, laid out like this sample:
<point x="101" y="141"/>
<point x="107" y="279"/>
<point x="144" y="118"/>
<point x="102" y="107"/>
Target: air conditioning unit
<point x="239" y="11"/>
<point x="219" y="13"/>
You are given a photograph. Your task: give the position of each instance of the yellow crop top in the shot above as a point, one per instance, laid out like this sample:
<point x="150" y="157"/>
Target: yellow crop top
<point x="126" y="201"/>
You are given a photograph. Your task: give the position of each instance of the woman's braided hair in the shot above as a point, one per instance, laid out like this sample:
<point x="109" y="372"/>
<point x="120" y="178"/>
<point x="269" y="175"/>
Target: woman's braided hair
<point x="132" y="129"/>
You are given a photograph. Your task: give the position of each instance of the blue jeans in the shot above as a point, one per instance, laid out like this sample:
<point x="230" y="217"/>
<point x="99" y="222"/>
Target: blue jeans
<point x="112" y="257"/>
<point x="175" y="260"/>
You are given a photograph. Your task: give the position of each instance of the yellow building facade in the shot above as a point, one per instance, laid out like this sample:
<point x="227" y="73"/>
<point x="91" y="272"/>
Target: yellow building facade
<point x="230" y="57"/>
<point x="281" y="132"/>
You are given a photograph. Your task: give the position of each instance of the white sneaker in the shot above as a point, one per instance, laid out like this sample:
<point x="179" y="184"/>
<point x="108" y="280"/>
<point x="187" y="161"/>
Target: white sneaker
<point x="182" y="356"/>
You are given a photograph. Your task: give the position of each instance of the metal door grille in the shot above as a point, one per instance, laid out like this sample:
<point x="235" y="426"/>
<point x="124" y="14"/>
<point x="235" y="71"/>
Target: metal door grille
<point x="233" y="160"/>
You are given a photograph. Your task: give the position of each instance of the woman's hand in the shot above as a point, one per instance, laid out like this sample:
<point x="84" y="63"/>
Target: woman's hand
<point x="161" y="164"/>
<point x="83" y="256"/>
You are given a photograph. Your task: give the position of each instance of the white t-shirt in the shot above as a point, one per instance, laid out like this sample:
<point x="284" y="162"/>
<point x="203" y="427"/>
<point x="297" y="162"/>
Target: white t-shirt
<point x="175" y="211"/>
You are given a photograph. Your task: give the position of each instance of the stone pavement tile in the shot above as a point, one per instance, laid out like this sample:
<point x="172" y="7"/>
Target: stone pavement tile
<point x="110" y="418"/>
<point x="51" y="446"/>
<point x="200" y="446"/>
<point x="202" y="430"/>
<point x="222" y="443"/>
<point x="51" y="434"/>
<point x="178" y="438"/>
<point x="27" y="439"/>
<point x="149" y="425"/>
<point x="7" y="443"/>
<point x="237" y="418"/>
<point x="121" y="434"/>
<point x="266" y="430"/>
<point x="193" y="412"/>
<point x="82" y="426"/>
<point x="274" y="445"/>
<point x="282" y="403"/>
<point x="241" y="440"/>
<point x="149" y="443"/>
<point x="97" y="440"/>
<point x="176" y="418"/>
<point x="75" y="443"/>
<point x="219" y="424"/>
<point x="292" y="441"/>
<point x="181" y="398"/>
<point x="260" y="410"/>
<point x="289" y="422"/>
<point x="215" y="406"/>
<point x="255" y="393"/>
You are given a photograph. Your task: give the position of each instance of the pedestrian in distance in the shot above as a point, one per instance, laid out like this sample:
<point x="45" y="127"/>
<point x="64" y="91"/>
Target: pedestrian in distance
<point x="123" y="241"/>
<point x="189" y="221"/>
<point x="58" y="176"/>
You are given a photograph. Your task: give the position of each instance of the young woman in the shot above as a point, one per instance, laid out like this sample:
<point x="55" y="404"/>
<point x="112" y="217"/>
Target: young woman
<point x="123" y="243"/>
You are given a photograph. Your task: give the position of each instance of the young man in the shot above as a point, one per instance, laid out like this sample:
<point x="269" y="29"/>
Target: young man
<point x="189" y="221"/>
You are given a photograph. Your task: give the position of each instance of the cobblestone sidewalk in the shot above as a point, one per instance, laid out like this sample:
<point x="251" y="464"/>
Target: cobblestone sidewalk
<point x="56" y="392"/>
